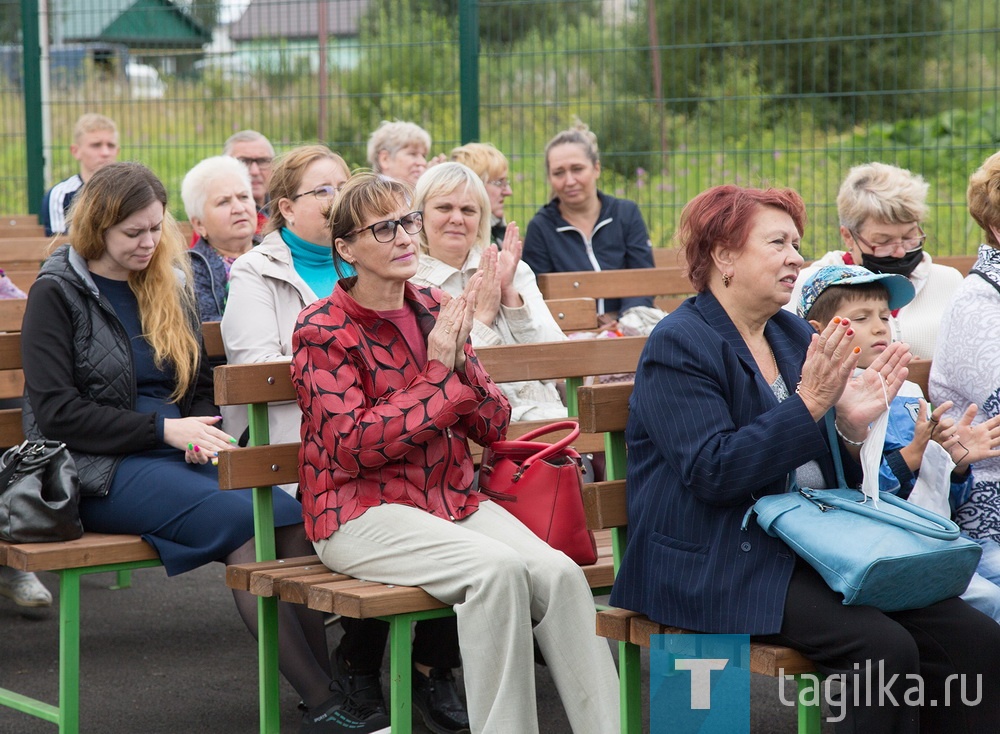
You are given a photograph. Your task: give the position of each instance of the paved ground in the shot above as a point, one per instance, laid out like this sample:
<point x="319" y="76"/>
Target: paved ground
<point x="171" y="656"/>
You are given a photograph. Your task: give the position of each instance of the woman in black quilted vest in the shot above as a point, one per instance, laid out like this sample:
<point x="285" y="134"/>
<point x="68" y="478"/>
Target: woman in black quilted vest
<point x="115" y="367"/>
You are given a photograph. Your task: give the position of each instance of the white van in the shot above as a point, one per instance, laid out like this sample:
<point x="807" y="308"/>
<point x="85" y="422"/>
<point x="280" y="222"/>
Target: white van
<point x="144" y="81"/>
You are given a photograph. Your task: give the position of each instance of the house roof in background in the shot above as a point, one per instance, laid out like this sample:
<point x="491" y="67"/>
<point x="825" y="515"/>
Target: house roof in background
<point x="297" y="19"/>
<point x="144" y="23"/>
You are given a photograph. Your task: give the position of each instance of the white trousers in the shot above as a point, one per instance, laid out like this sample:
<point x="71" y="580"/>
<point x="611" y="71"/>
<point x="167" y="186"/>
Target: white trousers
<point x="500" y="578"/>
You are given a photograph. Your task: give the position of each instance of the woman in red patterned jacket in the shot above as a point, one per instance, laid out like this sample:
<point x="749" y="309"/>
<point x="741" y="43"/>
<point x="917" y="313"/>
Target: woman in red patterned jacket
<point x="391" y="391"/>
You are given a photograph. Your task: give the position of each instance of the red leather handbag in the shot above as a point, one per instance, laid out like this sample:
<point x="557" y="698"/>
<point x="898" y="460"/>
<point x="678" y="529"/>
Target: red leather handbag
<point x="541" y="485"/>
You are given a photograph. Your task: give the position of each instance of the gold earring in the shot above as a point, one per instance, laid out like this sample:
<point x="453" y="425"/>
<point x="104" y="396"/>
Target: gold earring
<point x="726" y="279"/>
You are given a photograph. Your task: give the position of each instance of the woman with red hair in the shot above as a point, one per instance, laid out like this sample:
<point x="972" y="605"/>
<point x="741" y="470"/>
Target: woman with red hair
<point x="728" y="406"/>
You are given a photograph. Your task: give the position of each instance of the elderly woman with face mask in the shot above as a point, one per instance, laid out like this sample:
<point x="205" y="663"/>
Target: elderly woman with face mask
<point x="881" y="208"/>
<point x="219" y="202"/>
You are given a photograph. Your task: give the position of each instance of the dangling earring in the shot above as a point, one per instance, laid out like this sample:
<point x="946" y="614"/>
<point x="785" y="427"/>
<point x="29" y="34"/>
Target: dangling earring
<point x="726" y="279"/>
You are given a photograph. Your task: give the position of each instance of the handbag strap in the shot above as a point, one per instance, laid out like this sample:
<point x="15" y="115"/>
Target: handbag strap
<point x="939" y="527"/>
<point x="838" y="464"/>
<point x="14" y="457"/>
<point x="541" y="451"/>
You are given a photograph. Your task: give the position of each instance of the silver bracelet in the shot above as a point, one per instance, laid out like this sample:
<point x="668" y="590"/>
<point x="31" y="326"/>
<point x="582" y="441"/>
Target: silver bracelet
<point x="846" y="439"/>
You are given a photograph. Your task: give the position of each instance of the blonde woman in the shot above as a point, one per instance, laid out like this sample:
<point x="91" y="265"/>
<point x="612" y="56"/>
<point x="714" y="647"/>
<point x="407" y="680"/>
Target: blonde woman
<point x="399" y="150"/>
<point x="881" y="210"/>
<point x="491" y="166"/>
<point x="115" y="367"/>
<point x="455" y="245"/>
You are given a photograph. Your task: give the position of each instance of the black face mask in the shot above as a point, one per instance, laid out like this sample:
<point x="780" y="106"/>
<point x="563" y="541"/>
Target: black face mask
<point x="904" y="265"/>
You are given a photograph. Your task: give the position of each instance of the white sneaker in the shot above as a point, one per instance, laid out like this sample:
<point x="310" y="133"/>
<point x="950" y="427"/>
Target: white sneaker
<point x="24" y="588"/>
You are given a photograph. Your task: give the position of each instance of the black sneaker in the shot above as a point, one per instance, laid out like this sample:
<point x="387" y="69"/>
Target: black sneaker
<point x="341" y="714"/>
<point x="436" y="698"/>
<point x="365" y="688"/>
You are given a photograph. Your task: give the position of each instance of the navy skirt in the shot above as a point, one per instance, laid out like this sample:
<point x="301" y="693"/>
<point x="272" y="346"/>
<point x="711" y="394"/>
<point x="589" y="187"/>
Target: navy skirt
<point x="179" y="509"/>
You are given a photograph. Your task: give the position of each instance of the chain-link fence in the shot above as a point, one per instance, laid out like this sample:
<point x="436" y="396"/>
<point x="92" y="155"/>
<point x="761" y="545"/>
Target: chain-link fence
<point x="681" y="95"/>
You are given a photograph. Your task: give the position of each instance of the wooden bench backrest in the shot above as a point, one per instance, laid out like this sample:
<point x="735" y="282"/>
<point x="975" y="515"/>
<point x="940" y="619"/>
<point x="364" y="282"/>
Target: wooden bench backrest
<point x="271" y="382"/>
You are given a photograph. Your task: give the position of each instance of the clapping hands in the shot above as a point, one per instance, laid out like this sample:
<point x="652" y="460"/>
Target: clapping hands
<point x="446" y="342"/>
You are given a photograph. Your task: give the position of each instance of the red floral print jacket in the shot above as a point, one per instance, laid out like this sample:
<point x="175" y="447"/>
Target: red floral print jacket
<point x="379" y="428"/>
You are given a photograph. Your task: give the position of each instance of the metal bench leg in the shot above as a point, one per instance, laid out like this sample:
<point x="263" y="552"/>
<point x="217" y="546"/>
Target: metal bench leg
<point x="123" y="580"/>
<point x="630" y="685"/>
<point x="267" y="665"/>
<point x="400" y="674"/>
<point x="808" y="708"/>
<point x="69" y="651"/>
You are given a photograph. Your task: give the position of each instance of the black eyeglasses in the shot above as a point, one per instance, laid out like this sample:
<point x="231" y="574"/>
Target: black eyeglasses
<point x="385" y="231"/>
<point x="885" y="249"/>
<point x="320" y="192"/>
<point x="262" y="163"/>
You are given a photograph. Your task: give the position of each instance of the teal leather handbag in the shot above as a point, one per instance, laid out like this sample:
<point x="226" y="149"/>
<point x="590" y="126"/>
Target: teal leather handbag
<point x="892" y="556"/>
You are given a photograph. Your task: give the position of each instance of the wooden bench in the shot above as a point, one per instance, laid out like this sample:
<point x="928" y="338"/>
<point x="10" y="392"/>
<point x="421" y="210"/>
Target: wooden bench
<point x="20" y="225"/>
<point x="604" y="409"/>
<point x="670" y="285"/>
<point x="70" y="560"/>
<point x="306" y="580"/>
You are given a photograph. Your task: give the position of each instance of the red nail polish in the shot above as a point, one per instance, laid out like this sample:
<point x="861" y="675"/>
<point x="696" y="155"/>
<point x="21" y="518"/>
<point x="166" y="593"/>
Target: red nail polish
<point x="850" y="332"/>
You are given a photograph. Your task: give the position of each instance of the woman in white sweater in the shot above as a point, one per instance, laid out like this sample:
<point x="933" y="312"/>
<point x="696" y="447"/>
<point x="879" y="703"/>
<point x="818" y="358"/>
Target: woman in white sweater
<point x="455" y="243"/>
<point x="881" y="208"/>
<point x="966" y="367"/>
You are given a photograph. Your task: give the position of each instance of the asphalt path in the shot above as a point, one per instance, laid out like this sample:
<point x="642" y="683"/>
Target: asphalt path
<point x="171" y="656"/>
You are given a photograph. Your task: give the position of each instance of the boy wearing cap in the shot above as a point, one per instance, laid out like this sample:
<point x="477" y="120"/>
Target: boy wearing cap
<point x="926" y="459"/>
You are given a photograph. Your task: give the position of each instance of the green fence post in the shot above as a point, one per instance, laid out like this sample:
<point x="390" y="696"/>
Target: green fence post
<point x="31" y="80"/>
<point x="468" y="64"/>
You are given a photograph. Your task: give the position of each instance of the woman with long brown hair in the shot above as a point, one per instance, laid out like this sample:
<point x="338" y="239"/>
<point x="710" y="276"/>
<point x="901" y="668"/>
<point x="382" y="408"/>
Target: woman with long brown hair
<point x="115" y="367"/>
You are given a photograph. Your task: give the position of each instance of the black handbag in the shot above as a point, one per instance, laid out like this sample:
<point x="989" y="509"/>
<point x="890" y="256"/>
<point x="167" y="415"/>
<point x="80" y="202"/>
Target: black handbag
<point x="39" y="494"/>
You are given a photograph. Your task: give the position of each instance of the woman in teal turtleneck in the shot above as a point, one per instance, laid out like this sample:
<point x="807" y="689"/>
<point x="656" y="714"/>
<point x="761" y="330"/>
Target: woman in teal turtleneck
<point x="291" y="268"/>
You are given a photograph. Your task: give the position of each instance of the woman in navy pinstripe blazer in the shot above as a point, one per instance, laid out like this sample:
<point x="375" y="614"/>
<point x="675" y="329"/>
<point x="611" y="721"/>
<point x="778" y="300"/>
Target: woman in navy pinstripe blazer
<point x="727" y="400"/>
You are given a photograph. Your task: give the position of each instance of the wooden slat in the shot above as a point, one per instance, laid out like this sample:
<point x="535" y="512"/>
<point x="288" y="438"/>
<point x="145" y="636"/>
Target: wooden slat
<point x="961" y="263"/>
<point x="93" y="549"/>
<point x="12" y="313"/>
<point x="259" y="466"/>
<point x="271" y="381"/>
<point x="10" y="427"/>
<point x="558" y="360"/>
<point x="668" y="257"/>
<point x="294" y="588"/>
<point x="243" y="384"/>
<point x="3" y="552"/>
<point x="10" y="351"/>
<point x="616" y="283"/>
<point x="368" y="599"/>
<point x="24" y="249"/>
<point x="614" y="623"/>
<point x="604" y="504"/>
<point x="238" y="575"/>
<point x="18" y="220"/>
<point x="774" y="660"/>
<point x="574" y="314"/>
<point x="212" y="334"/>
<point x="604" y="408"/>
<point x="602" y="573"/>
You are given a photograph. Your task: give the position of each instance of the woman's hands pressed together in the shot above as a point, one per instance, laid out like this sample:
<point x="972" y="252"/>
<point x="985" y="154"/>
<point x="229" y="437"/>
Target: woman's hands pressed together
<point x="197" y="437"/>
<point x="446" y="342"/>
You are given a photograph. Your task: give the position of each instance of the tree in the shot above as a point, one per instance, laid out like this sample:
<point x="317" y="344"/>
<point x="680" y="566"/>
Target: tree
<point x="10" y="21"/>
<point x="845" y="52"/>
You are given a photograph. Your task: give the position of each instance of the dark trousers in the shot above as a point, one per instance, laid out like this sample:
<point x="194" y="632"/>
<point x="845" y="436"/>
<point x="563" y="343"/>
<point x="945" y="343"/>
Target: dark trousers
<point x="949" y="638"/>
<point x="435" y="643"/>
